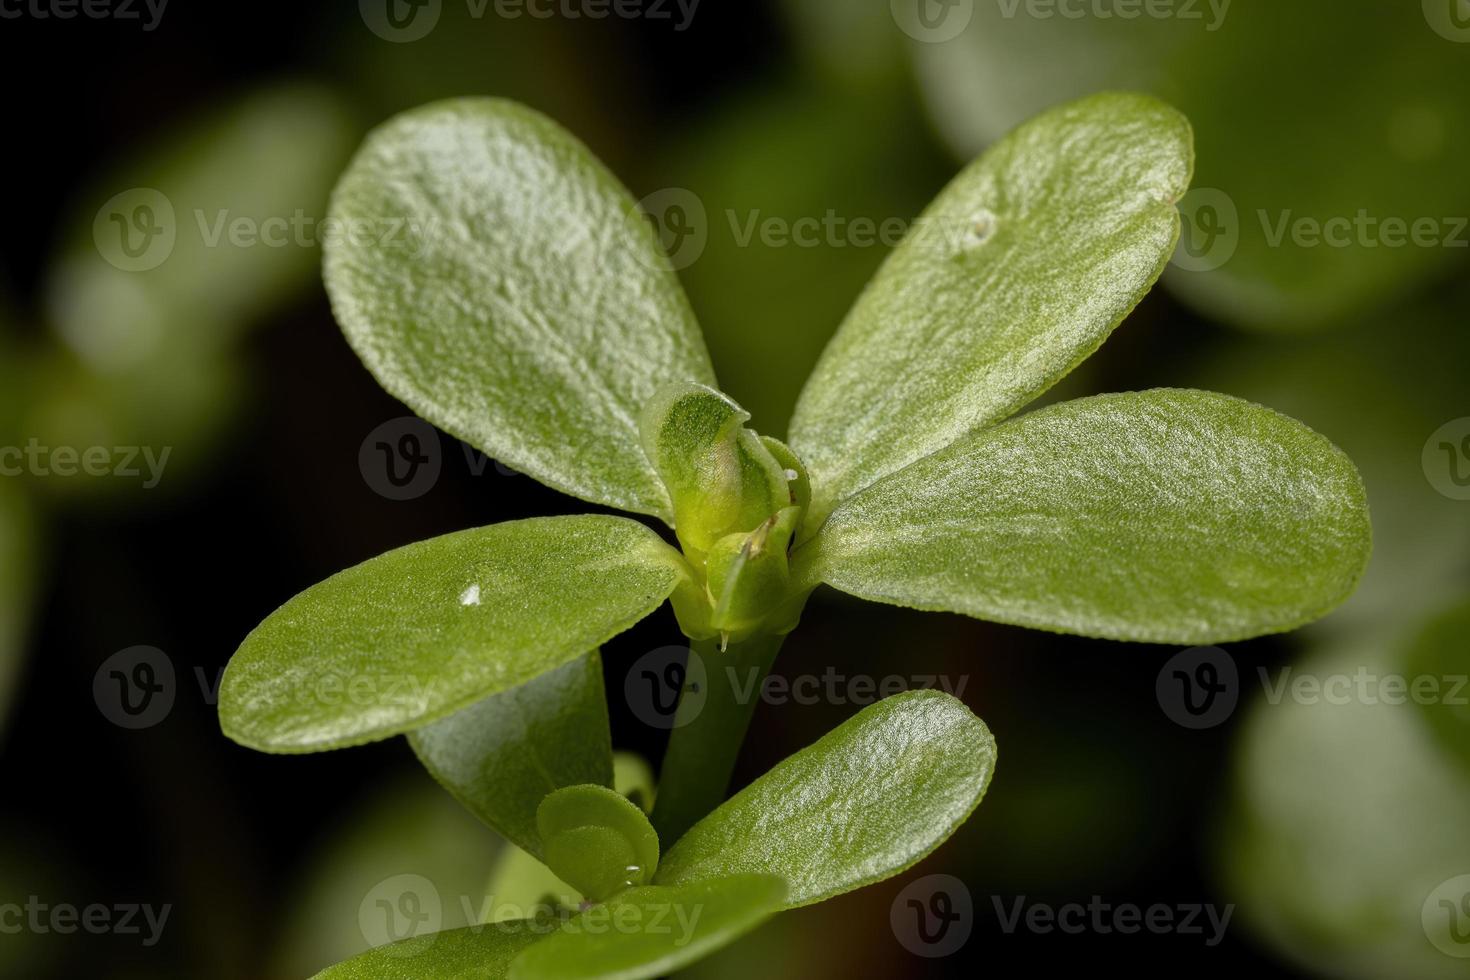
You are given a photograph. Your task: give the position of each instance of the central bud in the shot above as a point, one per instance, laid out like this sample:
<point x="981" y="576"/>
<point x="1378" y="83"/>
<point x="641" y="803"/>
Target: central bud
<point x="738" y="499"/>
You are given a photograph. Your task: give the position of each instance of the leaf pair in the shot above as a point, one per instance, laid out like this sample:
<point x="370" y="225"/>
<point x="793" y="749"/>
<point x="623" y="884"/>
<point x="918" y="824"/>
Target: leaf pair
<point x="863" y="803"/>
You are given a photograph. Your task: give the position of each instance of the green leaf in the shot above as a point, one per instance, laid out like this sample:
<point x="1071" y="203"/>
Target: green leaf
<point x="423" y="631"/>
<point x="533" y="314"/>
<point x="481" y="952"/>
<point x="721" y="476"/>
<point x="652" y="931"/>
<point x="596" y="840"/>
<point x="1167" y="516"/>
<point x="1015" y="274"/>
<point x="867" y="800"/>
<point x="501" y="757"/>
<point x="1438" y="663"/>
<point x="1284" y="133"/>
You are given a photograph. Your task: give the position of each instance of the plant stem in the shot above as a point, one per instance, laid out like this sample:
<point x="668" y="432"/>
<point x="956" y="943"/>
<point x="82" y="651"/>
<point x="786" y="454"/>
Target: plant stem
<point x="709" y="730"/>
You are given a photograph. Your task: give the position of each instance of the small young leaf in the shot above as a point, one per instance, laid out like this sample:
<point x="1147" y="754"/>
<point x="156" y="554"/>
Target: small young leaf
<point x="501" y="757"/>
<point x="423" y="631"/>
<point x="527" y="308"/>
<point x="720" y="475"/>
<point x="1166" y="516"/>
<point x="862" y="803"/>
<point x="1016" y="273"/>
<point x="482" y="952"/>
<point x="596" y="840"/>
<point x="652" y="931"/>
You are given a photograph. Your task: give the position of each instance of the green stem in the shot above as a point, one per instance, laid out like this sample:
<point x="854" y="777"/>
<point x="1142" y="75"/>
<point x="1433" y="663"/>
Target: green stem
<point x="709" y="728"/>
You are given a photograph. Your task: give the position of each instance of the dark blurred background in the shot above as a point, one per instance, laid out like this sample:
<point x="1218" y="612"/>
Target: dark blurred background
<point x="1325" y="828"/>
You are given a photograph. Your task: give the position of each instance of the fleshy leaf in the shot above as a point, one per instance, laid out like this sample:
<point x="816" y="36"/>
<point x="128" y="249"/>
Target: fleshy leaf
<point x="652" y="931"/>
<point x="481" y="952"/>
<point x="1015" y="274"/>
<point x="530" y="312"/>
<point x="416" y="634"/>
<point x="502" y="756"/>
<point x="1166" y="516"/>
<point x="862" y="803"/>
<point x="596" y="840"/>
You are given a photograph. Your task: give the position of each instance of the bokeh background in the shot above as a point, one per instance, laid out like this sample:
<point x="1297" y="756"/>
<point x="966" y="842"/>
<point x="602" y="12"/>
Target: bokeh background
<point x="1336" y="830"/>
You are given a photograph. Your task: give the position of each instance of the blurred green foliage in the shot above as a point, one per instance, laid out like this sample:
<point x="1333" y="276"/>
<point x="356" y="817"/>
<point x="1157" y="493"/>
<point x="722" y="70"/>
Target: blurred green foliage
<point x="1302" y="110"/>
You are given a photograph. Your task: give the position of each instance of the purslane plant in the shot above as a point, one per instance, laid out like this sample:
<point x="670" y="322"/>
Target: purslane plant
<point x="537" y="319"/>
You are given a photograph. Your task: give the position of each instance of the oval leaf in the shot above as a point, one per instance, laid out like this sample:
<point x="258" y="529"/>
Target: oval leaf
<point x="526" y="307"/>
<point x="867" y="800"/>
<point x="596" y="840"/>
<point x="411" y="636"/>
<point x="1165" y="516"/>
<point x="652" y="931"/>
<point x="482" y="952"/>
<point x="1015" y="274"/>
<point x="502" y="756"/>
